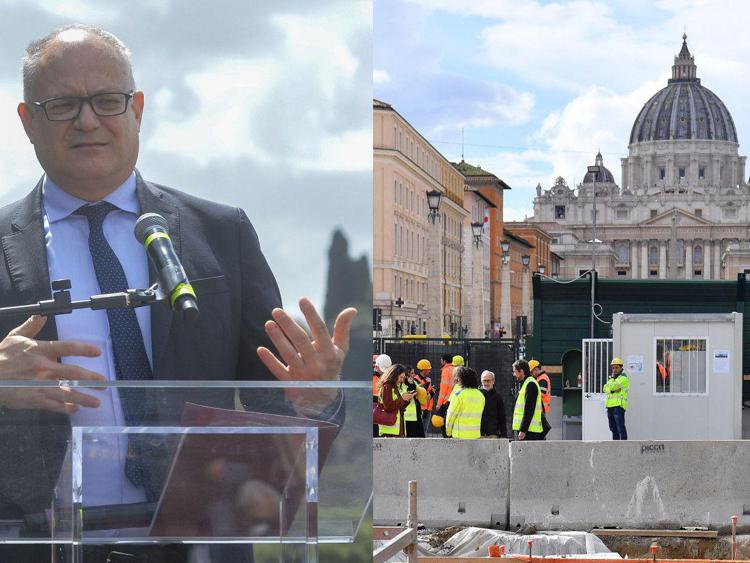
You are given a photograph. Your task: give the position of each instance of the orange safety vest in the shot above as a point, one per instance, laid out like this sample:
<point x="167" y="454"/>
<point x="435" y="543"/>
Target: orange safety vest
<point x="428" y="387"/>
<point x="446" y="384"/>
<point x="546" y="395"/>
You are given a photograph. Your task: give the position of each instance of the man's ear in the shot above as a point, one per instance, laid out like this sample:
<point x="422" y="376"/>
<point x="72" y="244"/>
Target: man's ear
<point x="28" y="119"/>
<point x="138" y="101"/>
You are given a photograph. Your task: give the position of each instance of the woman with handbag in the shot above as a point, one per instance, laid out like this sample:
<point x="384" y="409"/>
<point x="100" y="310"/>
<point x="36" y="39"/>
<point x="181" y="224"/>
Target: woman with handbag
<point x="389" y="411"/>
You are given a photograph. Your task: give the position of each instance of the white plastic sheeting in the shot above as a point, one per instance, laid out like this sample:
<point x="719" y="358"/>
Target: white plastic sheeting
<point x="476" y="541"/>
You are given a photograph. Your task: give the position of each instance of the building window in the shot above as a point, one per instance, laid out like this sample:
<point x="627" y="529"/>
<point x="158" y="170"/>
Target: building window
<point x="652" y="273"/>
<point x="654" y="212"/>
<point x="559" y="212"/>
<point x="622" y="213"/>
<point x="621" y="272"/>
<point x="701" y="173"/>
<point x="662" y="173"/>
<point x="653" y="255"/>
<point x="730" y="213"/>
<point x="698" y="273"/>
<point x="681" y="172"/>
<point x="697" y="254"/>
<point x="699" y="213"/>
<point x="681" y="365"/>
<point x="395" y="240"/>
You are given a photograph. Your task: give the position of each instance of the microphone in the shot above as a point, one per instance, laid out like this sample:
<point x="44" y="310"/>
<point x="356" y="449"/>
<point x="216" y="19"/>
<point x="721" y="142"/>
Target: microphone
<point x="152" y="231"/>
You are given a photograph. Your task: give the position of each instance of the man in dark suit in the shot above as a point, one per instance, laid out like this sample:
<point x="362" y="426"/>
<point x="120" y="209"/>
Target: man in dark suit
<point x="82" y="113"/>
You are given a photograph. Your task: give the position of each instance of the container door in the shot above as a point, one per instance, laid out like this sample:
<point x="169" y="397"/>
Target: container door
<point x="597" y="353"/>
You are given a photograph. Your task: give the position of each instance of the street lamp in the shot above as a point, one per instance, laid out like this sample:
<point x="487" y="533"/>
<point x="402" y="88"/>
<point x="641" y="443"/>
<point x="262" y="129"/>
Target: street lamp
<point x="525" y="259"/>
<point x="476" y="231"/>
<point x="594" y="171"/>
<point x="505" y="245"/>
<point x="433" y="202"/>
<point x="541" y="269"/>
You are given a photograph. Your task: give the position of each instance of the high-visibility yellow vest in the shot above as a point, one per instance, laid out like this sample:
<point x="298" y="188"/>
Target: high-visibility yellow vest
<point x="410" y="414"/>
<point x="617" y="391"/>
<point x="394" y="429"/>
<point x="464" y="419"/>
<point x="536" y="420"/>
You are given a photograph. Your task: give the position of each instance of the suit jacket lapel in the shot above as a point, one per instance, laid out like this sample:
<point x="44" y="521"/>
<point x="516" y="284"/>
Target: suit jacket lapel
<point x="26" y="256"/>
<point x="154" y="200"/>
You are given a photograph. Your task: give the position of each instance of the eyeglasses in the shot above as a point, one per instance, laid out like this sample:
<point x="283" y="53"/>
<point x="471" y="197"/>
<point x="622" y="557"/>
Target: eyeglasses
<point x="68" y="108"/>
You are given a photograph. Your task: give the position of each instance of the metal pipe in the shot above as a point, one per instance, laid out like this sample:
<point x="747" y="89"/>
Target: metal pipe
<point x="593" y="255"/>
<point x="734" y="537"/>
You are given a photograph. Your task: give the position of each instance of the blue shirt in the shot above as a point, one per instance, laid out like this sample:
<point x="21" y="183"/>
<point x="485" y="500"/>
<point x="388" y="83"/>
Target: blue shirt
<point x="68" y="256"/>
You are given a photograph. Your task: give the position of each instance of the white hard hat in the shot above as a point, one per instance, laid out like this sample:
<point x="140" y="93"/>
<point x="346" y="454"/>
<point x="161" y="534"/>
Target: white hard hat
<point x="383" y="362"/>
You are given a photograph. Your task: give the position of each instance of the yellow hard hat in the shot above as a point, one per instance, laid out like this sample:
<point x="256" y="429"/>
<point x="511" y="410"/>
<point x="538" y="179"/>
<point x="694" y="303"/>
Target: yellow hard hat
<point x="424" y="364"/>
<point x="533" y="364"/>
<point x="616" y="362"/>
<point x="437" y="421"/>
<point x="458" y="360"/>
<point x="421" y="395"/>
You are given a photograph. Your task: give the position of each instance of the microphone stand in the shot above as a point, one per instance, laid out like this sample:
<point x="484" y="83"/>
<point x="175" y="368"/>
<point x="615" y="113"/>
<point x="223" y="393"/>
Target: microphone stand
<point x="62" y="303"/>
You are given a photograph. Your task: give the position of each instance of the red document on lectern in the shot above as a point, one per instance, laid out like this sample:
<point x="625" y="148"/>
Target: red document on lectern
<point x="237" y="485"/>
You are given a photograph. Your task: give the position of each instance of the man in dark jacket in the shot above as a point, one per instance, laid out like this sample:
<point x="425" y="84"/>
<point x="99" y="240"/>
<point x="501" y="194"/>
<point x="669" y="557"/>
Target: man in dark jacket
<point x="493" y="416"/>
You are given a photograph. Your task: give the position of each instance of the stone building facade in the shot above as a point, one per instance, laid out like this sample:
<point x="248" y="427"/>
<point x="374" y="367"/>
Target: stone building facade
<point x="682" y="210"/>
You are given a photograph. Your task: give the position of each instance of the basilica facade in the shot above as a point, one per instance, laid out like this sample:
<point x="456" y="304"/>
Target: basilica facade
<point x="683" y="208"/>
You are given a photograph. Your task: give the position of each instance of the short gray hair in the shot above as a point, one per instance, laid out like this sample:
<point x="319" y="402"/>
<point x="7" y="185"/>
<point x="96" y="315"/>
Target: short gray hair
<point x="35" y="51"/>
<point x="488" y="372"/>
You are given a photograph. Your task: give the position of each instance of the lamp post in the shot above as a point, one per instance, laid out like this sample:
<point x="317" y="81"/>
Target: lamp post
<point x="541" y="269"/>
<point x="505" y="301"/>
<point x="434" y="302"/>
<point x="476" y="293"/>
<point x="594" y="171"/>
<point x="525" y="290"/>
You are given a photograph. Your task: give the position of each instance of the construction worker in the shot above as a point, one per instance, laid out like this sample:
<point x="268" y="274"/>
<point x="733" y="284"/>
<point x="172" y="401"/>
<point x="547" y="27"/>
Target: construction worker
<point x="544" y="383"/>
<point x="380" y="365"/>
<point x="394" y="399"/>
<point x="413" y="413"/>
<point x="456" y="362"/>
<point x="616" y="390"/>
<point x="423" y="378"/>
<point x="446" y="387"/>
<point x="464" y="420"/>
<point x="527" y="414"/>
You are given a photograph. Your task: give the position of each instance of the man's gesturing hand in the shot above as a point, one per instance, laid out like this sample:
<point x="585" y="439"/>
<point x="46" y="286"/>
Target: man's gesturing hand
<point x="306" y="359"/>
<point x="23" y="358"/>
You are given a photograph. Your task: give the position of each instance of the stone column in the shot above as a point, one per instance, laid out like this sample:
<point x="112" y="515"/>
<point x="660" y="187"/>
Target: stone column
<point x="670" y="172"/>
<point x="644" y="260"/>
<point x="693" y="173"/>
<point x="662" y="259"/>
<point x="734" y="172"/>
<point x="434" y="301"/>
<point x="634" y="259"/>
<point x="717" y="260"/>
<point x="647" y="170"/>
<point x="688" y="247"/>
<point x="716" y="172"/>
<point x="706" y="259"/>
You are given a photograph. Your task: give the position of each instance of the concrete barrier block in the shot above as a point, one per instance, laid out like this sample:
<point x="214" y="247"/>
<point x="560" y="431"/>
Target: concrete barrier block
<point x="579" y="485"/>
<point x="459" y="481"/>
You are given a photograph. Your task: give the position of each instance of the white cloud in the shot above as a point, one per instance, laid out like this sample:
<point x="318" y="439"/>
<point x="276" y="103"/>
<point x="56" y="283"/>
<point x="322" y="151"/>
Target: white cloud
<point x="516" y="213"/>
<point x="380" y="76"/>
<point x="18" y="165"/>
<point x="350" y="152"/>
<point x="230" y="92"/>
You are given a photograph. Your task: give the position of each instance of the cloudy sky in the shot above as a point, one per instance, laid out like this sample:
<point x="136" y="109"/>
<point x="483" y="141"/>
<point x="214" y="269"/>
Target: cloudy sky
<point x="538" y="86"/>
<point x="262" y="105"/>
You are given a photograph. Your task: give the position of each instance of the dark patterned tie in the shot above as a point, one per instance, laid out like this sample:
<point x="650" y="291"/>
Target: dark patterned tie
<point x="131" y="361"/>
